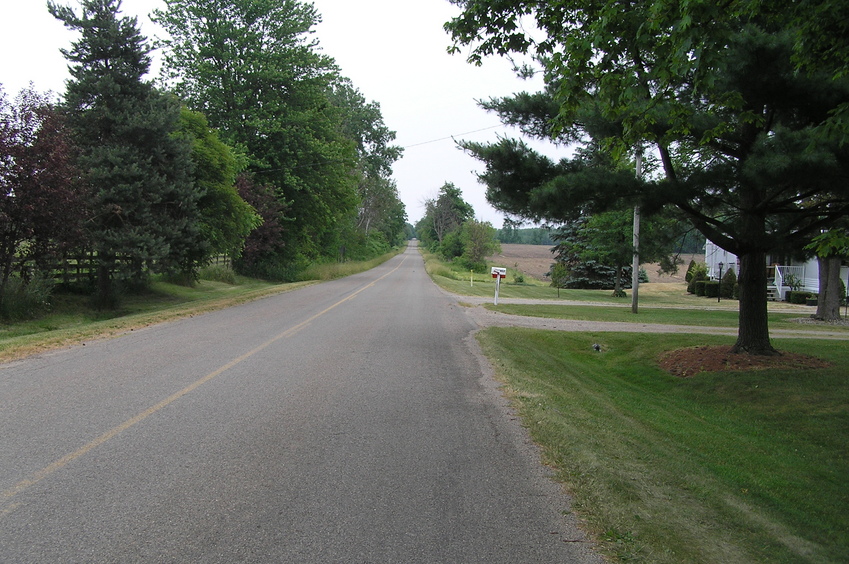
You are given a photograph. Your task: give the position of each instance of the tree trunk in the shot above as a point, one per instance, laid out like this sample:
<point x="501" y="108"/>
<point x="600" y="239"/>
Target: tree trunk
<point x="753" y="332"/>
<point x="617" y="284"/>
<point x="828" y="302"/>
<point x="105" y="291"/>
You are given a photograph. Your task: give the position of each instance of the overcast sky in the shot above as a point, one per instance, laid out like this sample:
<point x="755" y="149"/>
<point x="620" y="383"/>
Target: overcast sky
<point x="394" y="54"/>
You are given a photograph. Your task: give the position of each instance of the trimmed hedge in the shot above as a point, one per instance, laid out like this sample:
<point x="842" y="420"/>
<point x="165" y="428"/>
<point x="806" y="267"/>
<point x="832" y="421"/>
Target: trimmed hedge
<point x="797" y="297"/>
<point x="699" y="287"/>
<point x="711" y="289"/>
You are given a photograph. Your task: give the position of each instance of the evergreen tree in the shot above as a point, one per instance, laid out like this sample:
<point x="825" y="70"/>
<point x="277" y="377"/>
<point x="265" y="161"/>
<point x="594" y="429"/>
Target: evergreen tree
<point x="144" y="204"/>
<point x="751" y="141"/>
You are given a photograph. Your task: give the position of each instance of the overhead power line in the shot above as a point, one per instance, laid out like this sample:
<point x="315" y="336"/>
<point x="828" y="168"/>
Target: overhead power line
<point x="452" y="136"/>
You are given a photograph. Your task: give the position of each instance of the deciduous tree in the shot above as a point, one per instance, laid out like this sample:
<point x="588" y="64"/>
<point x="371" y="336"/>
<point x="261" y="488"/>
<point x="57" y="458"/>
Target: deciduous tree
<point x="226" y="219"/>
<point x="41" y="211"/>
<point x="831" y="248"/>
<point x="252" y="68"/>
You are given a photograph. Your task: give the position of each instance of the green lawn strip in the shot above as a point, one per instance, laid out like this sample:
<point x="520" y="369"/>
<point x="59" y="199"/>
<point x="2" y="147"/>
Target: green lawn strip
<point x="649" y="295"/>
<point x="722" y="467"/>
<point x="72" y="319"/>
<point x="668" y="316"/>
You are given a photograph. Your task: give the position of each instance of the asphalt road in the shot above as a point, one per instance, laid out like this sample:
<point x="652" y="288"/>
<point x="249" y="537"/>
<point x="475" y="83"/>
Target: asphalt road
<point x="349" y="421"/>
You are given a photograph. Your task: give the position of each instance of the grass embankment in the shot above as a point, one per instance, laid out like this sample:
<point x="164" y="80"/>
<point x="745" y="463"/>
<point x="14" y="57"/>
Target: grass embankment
<point x="723" y="467"/>
<point x="71" y="318"/>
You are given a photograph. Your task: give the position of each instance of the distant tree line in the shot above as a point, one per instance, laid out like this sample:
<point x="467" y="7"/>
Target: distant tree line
<point x="511" y="233"/>
<point x="253" y="146"/>
<point x="450" y="229"/>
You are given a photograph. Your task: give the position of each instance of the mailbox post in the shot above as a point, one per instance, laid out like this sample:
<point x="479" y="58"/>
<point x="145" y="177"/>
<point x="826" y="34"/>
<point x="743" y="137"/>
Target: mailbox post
<point x="498" y="274"/>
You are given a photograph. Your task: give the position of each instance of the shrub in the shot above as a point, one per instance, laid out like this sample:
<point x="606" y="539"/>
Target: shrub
<point x="689" y="276"/>
<point x="218" y="273"/>
<point x="468" y="264"/>
<point x="697" y="272"/>
<point x="699" y="287"/>
<point x="711" y="289"/>
<point x="729" y="285"/>
<point x="798" y="297"/>
<point x="25" y="300"/>
<point x="792" y="281"/>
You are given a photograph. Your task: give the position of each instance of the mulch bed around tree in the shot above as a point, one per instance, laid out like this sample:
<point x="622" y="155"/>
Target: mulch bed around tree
<point x="691" y="361"/>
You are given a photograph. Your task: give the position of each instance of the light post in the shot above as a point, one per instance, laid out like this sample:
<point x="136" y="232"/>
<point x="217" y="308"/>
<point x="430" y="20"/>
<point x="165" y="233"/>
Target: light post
<point x="719" y="293"/>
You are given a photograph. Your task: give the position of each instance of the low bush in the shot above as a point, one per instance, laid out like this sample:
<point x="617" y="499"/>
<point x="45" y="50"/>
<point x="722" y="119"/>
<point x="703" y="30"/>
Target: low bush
<point x="26" y="299"/>
<point x="699" y="287"/>
<point x="697" y="272"/>
<point x="711" y="289"/>
<point x="729" y="285"/>
<point x="218" y="273"/>
<point x="798" y="297"/>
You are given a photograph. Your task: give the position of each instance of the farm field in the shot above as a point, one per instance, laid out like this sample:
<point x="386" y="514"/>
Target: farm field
<point x="536" y="260"/>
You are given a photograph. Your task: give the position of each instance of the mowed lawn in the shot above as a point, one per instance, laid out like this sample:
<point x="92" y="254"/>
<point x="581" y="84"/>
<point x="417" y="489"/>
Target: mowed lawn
<point x="720" y="467"/>
<point x="662" y="315"/>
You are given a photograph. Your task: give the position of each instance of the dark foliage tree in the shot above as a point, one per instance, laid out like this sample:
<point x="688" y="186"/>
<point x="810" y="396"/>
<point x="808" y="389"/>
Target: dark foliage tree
<point x="586" y="261"/>
<point x="606" y="240"/>
<point x="143" y="201"/>
<point x="41" y="211"/>
<point x="749" y="151"/>
<point x="265" y="244"/>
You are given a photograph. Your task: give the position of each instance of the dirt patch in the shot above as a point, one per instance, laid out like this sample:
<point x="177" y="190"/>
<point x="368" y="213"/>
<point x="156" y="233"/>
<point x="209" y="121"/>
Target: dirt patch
<point x="536" y="261"/>
<point x="694" y="360"/>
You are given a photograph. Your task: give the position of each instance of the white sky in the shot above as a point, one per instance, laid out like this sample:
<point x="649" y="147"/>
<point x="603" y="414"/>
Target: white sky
<point x="394" y="54"/>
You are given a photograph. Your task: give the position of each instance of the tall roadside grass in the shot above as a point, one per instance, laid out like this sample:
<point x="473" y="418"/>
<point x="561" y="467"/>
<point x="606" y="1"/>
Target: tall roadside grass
<point x="721" y="467"/>
<point x="23" y="300"/>
<point x="333" y="270"/>
<point x="71" y="317"/>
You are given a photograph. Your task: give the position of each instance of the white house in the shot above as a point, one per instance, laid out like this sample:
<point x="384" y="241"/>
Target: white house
<point x="780" y="278"/>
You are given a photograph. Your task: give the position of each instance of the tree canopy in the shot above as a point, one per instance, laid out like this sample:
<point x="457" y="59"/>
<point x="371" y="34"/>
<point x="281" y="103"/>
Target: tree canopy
<point x="252" y="67"/>
<point x="748" y="146"/>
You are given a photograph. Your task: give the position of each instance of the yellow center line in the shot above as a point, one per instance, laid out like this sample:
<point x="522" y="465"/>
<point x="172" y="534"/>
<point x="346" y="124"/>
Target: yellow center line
<point x="112" y="433"/>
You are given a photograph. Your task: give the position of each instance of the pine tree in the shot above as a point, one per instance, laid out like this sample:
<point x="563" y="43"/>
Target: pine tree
<point x="138" y="172"/>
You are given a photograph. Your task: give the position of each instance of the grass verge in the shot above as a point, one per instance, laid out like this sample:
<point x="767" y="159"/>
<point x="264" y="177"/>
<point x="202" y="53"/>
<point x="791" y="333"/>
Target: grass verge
<point x="72" y="320"/>
<point x="723" y="467"/>
<point x="666" y="316"/>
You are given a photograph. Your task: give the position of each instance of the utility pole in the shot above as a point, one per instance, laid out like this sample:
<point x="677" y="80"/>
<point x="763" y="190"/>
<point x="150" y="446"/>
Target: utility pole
<point x="635" y="268"/>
